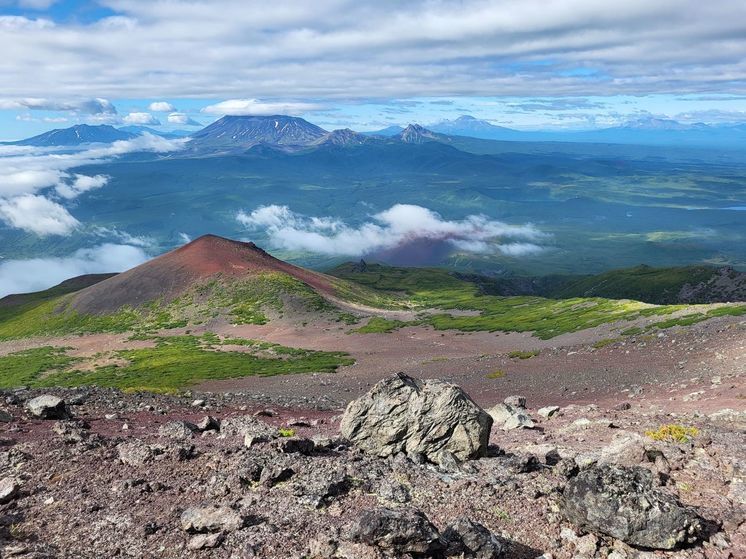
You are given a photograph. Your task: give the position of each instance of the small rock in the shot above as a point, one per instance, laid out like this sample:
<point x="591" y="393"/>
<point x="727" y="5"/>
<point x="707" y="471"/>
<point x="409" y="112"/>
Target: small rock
<point x="9" y="487"/>
<point x="548" y="411"/>
<point x="135" y="453"/>
<point x="198" y="404"/>
<point x="47" y="407"/>
<point x="250" y="440"/>
<point x="208" y="423"/>
<point x="508" y="417"/>
<point x="469" y="539"/>
<point x="206" y="541"/>
<point x="179" y="430"/>
<point x="515" y="401"/>
<point x="294" y="445"/>
<point x="5" y="417"/>
<point x="211" y="519"/>
<point x="398" y="532"/>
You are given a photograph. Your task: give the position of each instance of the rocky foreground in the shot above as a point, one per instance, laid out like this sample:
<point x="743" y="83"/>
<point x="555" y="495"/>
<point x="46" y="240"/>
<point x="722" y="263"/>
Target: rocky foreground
<point x="411" y="469"/>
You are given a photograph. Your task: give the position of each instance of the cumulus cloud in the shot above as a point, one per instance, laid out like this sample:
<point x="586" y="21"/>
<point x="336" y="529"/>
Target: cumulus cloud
<point x="183" y="119"/>
<point x="397" y="226"/>
<point x="35" y="274"/>
<point x="80" y="184"/>
<point x="142" y="118"/>
<point x="161" y="107"/>
<point x="95" y="106"/>
<point x="240" y="107"/>
<point x="37" y="214"/>
<point x="33" y="179"/>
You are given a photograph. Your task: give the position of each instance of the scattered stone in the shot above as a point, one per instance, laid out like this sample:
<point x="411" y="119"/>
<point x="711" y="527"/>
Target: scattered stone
<point x="199" y="404"/>
<point x="507" y="417"/>
<point x="135" y="453"/>
<point x="5" y="417"/>
<point x="447" y="462"/>
<point x="399" y="532"/>
<point x="211" y="518"/>
<point x="47" y="406"/>
<point x="624" y="406"/>
<point x="294" y="445"/>
<point x="393" y="491"/>
<point x="623" y="503"/>
<point x="297" y="422"/>
<point x="515" y="401"/>
<point x="250" y="441"/>
<point x="206" y="541"/>
<point x="208" y="423"/>
<point x="179" y="430"/>
<point x="402" y="414"/>
<point x="274" y="474"/>
<point x="9" y="487"/>
<point x="626" y="449"/>
<point x="245" y="425"/>
<point x="466" y="538"/>
<point x="548" y="411"/>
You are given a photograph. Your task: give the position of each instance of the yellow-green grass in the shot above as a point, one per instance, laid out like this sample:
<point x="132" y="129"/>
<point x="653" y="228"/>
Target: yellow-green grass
<point x="172" y="364"/>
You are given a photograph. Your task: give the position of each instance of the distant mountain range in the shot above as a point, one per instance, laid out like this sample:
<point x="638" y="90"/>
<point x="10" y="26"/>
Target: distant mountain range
<point x="77" y="135"/>
<point x="287" y="133"/>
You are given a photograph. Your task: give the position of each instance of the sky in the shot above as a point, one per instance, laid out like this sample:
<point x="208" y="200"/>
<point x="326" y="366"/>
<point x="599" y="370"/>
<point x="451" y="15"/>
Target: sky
<point x="526" y="64"/>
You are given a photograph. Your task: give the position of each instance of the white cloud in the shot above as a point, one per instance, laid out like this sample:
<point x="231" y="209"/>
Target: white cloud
<point x="80" y="184"/>
<point x="37" y="214"/>
<point x="141" y="118"/>
<point x="240" y="107"/>
<point x="26" y="172"/>
<point x="95" y="106"/>
<point x="161" y="107"/>
<point x="353" y="50"/>
<point x="35" y="274"/>
<point x="395" y="227"/>
<point x="183" y="119"/>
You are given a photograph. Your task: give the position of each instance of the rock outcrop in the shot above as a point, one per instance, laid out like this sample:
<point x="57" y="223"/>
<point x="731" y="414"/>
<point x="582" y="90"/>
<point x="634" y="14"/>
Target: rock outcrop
<point x="425" y="417"/>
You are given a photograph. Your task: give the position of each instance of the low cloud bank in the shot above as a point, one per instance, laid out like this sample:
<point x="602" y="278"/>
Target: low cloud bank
<point x="35" y="274"/>
<point x="397" y="226"/>
<point x="35" y="182"/>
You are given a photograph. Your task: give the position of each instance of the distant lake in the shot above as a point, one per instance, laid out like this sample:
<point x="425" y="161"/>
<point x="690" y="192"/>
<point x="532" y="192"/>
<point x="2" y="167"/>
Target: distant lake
<point x="737" y="208"/>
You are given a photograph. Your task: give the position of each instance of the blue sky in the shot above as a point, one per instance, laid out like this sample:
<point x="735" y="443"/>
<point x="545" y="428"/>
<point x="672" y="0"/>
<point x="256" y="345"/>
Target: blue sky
<point x="525" y="64"/>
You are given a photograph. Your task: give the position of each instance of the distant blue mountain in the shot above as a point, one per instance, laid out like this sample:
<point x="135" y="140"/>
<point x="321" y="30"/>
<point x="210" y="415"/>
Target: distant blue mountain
<point x="343" y="137"/>
<point x="77" y="135"/>
<point x="387" y="132"/>
<point x="475" y="128"/>
<point x="243" y="132"/>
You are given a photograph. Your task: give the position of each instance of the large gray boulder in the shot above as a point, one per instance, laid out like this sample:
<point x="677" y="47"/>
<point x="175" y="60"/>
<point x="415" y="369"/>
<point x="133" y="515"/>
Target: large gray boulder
<point x="426" y="417"/>
<point x="47" y="406"/>
<point x="623" y="503"/>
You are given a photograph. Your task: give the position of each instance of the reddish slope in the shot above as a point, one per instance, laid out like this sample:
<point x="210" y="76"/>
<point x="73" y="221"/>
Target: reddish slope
<point x="168" y="276"/>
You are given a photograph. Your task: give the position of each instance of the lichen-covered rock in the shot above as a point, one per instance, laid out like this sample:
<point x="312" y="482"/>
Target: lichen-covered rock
<point x="397" y="532"/>
<point x="402" y="414"/>
<point x="623" y="503"/>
